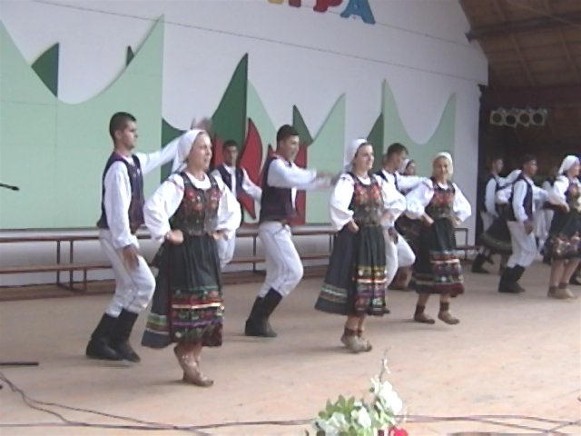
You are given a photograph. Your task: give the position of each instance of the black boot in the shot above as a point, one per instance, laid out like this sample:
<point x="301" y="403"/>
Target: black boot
<point x="507" y="282"/>
<point x="120" y="336"/>
<point x="271" y="301"/>
<point x="518" y="272"/>
<point x="254" y="322"/>
<point x="477" y="264"/>
<point x="98" y="347"/>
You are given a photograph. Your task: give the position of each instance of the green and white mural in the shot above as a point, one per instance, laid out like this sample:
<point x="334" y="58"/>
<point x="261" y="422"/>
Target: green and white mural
<point x="55" y="150"/>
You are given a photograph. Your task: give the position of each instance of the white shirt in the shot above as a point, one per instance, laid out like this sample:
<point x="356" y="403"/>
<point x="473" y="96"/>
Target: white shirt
<point x="402" y="183"/>
<point x="490" y="194"/>
<point x="519" y="192"/>
<point x="556" y="193"/>
<point x="393" y="201"/>
<point x="420" y="197"/>
<point x="164" y="202"/>
<point x="117" y="196"/>
<point x="247" y="186"/>
<point x="284" y="174"/>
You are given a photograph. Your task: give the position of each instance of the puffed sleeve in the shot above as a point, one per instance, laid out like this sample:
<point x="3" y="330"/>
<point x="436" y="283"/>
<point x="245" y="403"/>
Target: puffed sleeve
<point x="418" y="198"/>
<point x="341" y="196"/>
<point x="461" y="206"/>
<point x="556" y="194"/>
<point x="161" y="206"/>
<point x="394" y="202"/>
<point x="229" y="214"/>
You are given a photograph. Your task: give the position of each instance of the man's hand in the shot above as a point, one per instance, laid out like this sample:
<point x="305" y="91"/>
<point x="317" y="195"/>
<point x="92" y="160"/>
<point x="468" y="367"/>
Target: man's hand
<point x="218" y="234"/>
<point x="130" y="256"/>
<point x="175" y="237"/>
<point x="529" y="226"/>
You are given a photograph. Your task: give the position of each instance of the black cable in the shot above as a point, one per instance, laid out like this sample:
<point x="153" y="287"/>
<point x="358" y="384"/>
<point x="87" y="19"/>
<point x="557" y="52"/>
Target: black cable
<point x="497" y="420"/>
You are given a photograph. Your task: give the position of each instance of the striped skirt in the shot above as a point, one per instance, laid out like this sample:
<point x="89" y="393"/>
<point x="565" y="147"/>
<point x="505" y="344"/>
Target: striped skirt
<point x="187" y="304"/>
<point x="355" y="282"/>
<point x="437" y="269"/>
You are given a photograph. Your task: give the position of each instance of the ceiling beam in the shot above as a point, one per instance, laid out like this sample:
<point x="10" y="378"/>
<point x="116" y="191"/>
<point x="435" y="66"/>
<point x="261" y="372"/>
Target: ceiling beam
<point x="534" y="97"/>
<point x="523" y="26"/>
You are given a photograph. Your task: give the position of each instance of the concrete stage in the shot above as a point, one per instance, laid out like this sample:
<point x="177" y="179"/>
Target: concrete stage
<point x="510" y="355"/>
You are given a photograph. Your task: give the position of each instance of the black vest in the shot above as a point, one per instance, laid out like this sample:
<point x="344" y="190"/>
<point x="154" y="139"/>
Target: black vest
<point x="227" y="178"/>
<point x="135" y="211"/>
<point x="527" y="203"/>
<point x="276" y="203"/>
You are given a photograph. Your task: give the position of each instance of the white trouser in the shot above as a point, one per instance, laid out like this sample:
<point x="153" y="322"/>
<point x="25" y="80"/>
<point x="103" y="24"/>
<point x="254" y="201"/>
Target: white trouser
<point x="284" y="268"/>
<point x="487" y="220"/>
<point x="226" y="250"/>
<point x="524" y="247"/>
<point x="397" y="255"/>
<point x="133" y="287"/>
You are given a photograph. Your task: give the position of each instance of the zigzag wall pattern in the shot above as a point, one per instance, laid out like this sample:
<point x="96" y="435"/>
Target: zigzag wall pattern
<point x="58" y="163"/>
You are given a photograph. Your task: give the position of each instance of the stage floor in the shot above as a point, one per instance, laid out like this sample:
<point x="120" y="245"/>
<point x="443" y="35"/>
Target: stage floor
<point x="517" y="355"/>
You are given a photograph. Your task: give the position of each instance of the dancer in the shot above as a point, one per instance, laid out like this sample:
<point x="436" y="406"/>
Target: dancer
<point x="281" y="178"/>
<point x="496" y="239"/>
<point x="565" y="232"/>
<point x="121" y="216"/>
<point x="440" y="204"/>
<point x="398" y="252"/>
<point x="236" y="179"/>
<point x="355" y="283"/>
<point x="189" y="212"/>
<point x="520" y="214"/>
<point x="488" y="210"/>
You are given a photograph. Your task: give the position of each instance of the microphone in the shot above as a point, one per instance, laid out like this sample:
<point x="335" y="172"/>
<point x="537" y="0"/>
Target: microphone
<point x="12" y="187"/>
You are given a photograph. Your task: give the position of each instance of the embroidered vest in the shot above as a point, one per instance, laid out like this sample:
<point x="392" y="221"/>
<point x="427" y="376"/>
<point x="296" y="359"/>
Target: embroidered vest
<point x="367" y="202"/>
<point x="227" y="178"/>
<point x="527" y="202"/>
<point x="197" y="214"/>
<point x="442" y="203"/>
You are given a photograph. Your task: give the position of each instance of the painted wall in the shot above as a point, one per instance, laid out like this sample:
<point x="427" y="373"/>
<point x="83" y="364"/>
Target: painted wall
<point x="251" y="65"/>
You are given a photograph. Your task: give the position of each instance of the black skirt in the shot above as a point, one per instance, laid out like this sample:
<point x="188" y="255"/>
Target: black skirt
<point x="187" y="304"/>
<point x="437" y="269"/>
<point x="355" y="282"/>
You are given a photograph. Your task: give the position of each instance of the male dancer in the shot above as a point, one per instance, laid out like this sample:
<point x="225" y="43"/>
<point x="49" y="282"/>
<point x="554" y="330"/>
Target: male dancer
<point x="521" y="208"/>
<point x="237" y="180"/>
<point x="284" y="270"/>
<point x="121" y="216"/>
<point x="489" y="211"/>
<point x="398" y="252"/>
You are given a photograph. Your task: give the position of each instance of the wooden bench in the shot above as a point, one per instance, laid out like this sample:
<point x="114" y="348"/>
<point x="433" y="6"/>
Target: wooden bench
<point x="465" y="247"/>
<point x="67" y="264"/>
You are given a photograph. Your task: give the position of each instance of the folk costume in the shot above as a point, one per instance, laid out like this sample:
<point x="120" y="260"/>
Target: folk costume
<point x="121" y="216"/>
<point x="437" y="269"/>
<point x="237" y="180"/>
<point x="284" y="269"/>
<point x="187" y="305"/>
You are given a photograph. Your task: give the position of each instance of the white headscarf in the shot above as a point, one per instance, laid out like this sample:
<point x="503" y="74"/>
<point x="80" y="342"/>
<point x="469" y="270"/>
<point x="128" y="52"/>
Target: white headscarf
<point x="448" y="157"/>
<point x="185" y="143"/>
<point x="567" y="163"/>
<point x="351" y="151"/>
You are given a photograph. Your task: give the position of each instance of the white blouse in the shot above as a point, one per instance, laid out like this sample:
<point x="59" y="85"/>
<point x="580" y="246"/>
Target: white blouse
<point x="340" y="214"/>
<point x="556" y="194"/>
<point x="164" y="202"/>
<point x="420" y="197"/>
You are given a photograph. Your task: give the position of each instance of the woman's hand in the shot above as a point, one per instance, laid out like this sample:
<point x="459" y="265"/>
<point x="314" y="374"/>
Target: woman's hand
<point x="427" y="220"/>
<point x="352" y="226"/>
<point x="218" y="234"/>
<point x="175" y="237"/>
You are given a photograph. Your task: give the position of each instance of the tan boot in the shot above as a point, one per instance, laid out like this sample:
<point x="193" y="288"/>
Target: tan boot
<point x="368" y="346"/>
<point x="420" y="316"/>
<point x="190" y="366"/>
<point x="445" y="315"/>
<point x="352" y="341"/>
